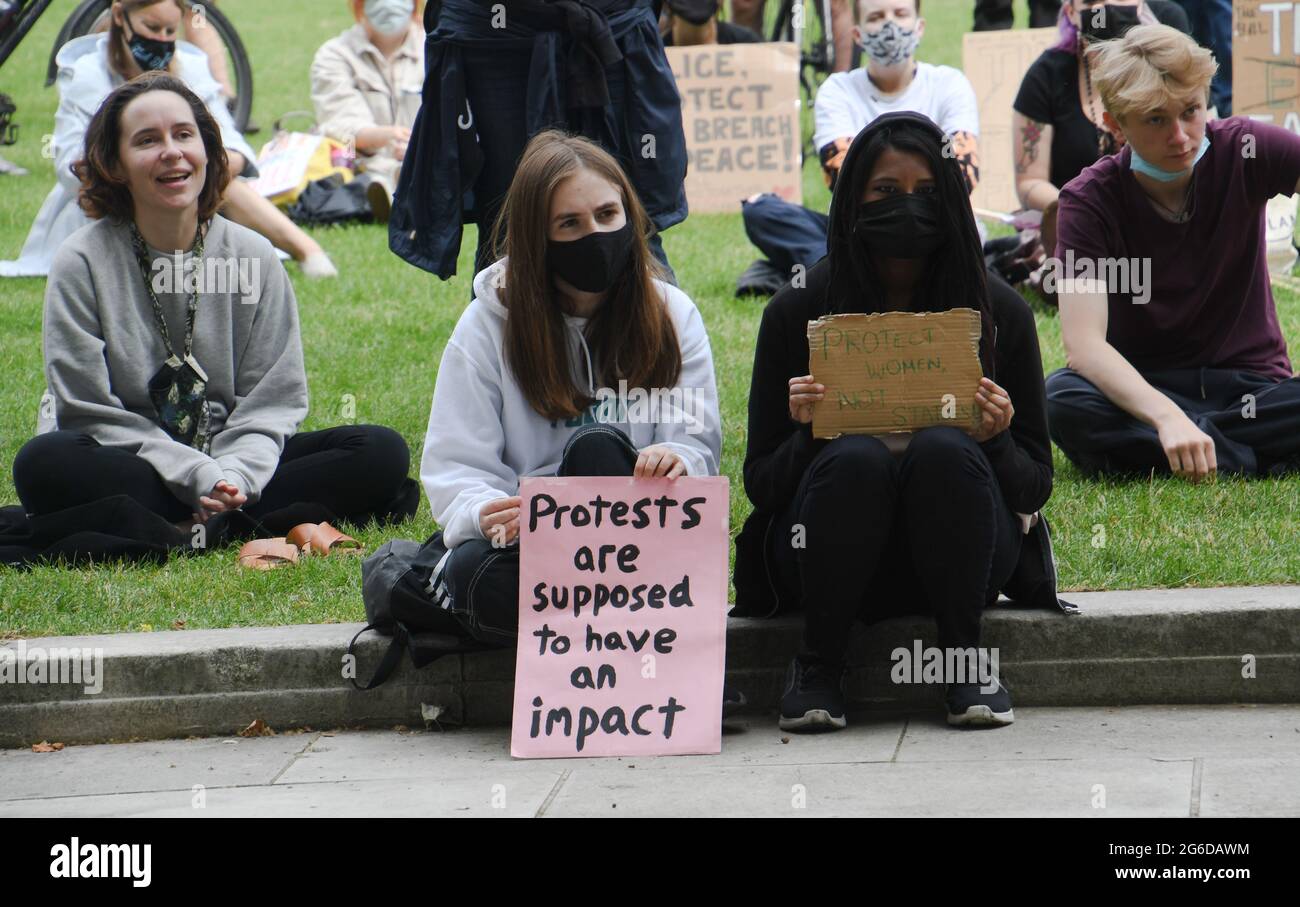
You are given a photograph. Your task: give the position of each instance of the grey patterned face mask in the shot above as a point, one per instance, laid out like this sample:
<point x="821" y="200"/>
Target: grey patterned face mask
<point x="891" y="45"/>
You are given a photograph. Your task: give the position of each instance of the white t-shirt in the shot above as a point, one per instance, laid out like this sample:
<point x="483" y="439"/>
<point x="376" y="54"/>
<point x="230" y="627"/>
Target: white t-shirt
<point x="848" y="101"/>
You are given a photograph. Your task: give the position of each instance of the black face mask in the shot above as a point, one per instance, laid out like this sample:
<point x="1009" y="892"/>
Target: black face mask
<point x="149" y="53"/>
<point x="1107" y="22"/>
<point x="901" y="226"/>
<point x="595" y="261"/>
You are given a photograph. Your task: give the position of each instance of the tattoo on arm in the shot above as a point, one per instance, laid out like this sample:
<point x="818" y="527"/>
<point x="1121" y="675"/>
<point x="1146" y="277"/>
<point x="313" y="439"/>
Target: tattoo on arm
<point x="1029" y="137"/>
<point x="966" y="150"/>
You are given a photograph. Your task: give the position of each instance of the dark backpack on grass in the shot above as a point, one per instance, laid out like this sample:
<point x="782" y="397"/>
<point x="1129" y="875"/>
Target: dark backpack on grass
<point x="405" y="598"/>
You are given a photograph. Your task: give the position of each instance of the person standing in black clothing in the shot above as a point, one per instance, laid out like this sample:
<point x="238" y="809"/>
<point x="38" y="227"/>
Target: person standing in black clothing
<point x="995" y="15"/>
<point x="688" y="22"/>
<point x="497" y="74"/>
<point x="856" y="526"/>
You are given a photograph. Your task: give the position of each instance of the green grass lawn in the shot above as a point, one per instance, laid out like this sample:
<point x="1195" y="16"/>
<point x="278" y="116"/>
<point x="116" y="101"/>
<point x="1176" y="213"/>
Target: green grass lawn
<point x="378" y="331"/>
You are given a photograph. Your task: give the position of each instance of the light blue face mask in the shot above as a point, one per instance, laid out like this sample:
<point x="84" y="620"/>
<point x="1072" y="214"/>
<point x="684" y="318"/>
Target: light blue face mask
<point x="1164" y="176"/>
<point x="389" y="17"/>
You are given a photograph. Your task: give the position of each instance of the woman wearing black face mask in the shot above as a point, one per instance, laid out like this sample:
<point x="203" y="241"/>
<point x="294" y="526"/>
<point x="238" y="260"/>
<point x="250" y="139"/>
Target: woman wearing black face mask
<point x="570" y="322"/>
<point x="920" y="524"/>
<point x="1056" y="124"/>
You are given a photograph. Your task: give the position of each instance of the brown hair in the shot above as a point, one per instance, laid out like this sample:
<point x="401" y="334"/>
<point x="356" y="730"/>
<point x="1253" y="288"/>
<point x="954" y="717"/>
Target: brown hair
<point x="118" y="56"/>
<point x="632" y="333"/>
<point x="104" y="190"/>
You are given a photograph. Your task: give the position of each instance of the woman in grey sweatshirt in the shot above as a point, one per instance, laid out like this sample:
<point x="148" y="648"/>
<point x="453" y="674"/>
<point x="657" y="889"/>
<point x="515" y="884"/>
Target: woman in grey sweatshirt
<point x="172" y="352"/>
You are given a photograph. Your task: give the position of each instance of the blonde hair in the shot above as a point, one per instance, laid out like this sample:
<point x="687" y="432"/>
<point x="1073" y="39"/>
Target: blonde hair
<point x="1150" y="65"/>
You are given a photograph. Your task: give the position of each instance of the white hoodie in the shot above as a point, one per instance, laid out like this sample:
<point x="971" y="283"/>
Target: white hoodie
<point x="483" y="434"/>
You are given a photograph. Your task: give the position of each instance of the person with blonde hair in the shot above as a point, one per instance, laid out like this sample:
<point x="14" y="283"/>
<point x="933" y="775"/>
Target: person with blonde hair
<point x="1176" y="358"/>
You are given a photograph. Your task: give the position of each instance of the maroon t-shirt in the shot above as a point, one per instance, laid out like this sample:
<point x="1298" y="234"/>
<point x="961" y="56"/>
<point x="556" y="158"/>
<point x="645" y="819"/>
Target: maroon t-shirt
<point x="1210" y="301"/>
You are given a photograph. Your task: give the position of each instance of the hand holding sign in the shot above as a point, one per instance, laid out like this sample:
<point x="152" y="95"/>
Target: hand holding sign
<point x="499" y="520"/>
<point x="805" y="394"/>
<point x="995" y="410"/>
<point x="659" y="461"/>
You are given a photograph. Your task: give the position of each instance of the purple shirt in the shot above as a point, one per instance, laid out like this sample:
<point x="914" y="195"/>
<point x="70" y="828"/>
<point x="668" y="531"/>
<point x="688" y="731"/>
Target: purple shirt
<point x="1210" y="303"/>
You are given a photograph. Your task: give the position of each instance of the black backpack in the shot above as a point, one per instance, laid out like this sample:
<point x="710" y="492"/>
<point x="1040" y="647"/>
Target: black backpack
<point x="406" y="598"/>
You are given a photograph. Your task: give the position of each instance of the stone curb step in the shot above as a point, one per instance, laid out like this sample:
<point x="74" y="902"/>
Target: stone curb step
<point x="1179" y="646"/>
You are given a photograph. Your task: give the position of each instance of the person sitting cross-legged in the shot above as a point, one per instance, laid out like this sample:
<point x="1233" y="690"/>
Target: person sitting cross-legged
<point x="1176" y="357"/>
<point x="172" y="352"/>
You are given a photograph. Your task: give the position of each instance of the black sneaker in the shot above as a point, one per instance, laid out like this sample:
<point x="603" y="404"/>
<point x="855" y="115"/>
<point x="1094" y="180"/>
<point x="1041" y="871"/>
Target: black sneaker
<point x="969" y="706"/>
<point x="812" y="697"/>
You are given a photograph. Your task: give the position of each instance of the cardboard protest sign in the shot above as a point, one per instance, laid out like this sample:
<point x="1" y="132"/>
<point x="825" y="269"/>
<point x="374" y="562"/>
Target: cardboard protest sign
<point x="1266" y="87"/>
<point x="740" y="111"/>
<point x="995" y="62"/>
<point x="1266" y="61"/>
<point x="895" y="371"/>
<point x="622" y="616"/>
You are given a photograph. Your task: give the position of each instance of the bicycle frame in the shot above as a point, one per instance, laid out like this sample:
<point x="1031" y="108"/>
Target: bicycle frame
<point x="20" y="26"/>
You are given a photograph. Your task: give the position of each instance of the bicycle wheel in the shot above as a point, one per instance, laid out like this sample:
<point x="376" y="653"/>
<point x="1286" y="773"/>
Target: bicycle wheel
<point x="92" y="15"/>
<point x="814" y="53"/>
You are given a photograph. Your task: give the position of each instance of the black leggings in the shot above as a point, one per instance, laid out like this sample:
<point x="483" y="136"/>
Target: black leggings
<point x="354" y="471"/>
<point x="924" y="533"/>
<point x="484" y="580"/>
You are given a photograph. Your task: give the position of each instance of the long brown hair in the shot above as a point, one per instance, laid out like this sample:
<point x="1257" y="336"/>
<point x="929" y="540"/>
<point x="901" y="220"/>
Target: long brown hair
<point x="104" y="189"/>
<point x="632" y="333"/>
<point x="118" y="56"/>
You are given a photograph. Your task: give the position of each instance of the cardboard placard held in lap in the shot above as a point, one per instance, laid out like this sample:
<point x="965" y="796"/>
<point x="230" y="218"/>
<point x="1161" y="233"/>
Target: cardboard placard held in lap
<point x="895" y="371"/>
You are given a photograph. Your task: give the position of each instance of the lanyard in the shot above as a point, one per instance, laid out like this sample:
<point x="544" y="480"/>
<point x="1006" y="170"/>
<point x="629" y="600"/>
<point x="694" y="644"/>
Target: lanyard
<point x="142" y="258"/>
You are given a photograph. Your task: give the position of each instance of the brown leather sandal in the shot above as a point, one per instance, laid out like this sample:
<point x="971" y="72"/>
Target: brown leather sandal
<point x="322" y="539"/>
<point x="267" y="554"/>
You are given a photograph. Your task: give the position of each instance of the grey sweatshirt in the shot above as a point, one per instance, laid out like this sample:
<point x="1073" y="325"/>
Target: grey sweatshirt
<point x="102" y="346"/>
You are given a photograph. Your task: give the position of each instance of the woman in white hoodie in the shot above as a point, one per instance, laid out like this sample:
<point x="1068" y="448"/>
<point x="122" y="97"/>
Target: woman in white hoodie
<point x="564" y="330"/>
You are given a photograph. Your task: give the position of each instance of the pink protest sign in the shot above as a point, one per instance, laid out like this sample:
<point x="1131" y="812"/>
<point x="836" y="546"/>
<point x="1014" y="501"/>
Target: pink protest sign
<point x="622" y="617"/>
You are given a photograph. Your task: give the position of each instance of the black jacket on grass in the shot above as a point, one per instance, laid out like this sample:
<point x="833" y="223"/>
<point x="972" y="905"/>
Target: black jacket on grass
<point x="779" y="449"/>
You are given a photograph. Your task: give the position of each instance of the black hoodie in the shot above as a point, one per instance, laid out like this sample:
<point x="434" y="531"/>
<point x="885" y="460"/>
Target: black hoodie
<point x="779" y="449"/>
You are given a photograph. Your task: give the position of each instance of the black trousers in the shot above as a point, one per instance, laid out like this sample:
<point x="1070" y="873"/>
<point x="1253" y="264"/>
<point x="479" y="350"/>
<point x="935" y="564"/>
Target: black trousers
<point x="991" y="15"/>
<point x="869" y="535"/>
<point x="1254" y="421"/>
<point x="354" y="471"/>
<point x="484" y="580"/>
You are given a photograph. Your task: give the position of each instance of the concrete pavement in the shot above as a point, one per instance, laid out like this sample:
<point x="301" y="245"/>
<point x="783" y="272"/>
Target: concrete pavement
<point x="1241" y="760"/>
